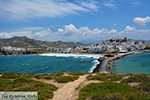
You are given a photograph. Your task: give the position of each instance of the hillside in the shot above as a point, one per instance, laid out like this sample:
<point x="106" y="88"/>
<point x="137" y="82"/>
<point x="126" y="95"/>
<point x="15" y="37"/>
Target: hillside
<point x="79" y="86"/>
<point x="26" y="42"/>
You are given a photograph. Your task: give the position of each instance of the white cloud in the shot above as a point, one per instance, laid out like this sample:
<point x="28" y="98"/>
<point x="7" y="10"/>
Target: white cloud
<point x="134" y="33"/>
<point x="141" y="21"/>
<point x="110" y="5"/>
<point x="91" y="5"/>
<point x="84" y="34"/>
<point x="129" y="28"/>
<point x="24" y="9"/>
<point x="113" y="31"/>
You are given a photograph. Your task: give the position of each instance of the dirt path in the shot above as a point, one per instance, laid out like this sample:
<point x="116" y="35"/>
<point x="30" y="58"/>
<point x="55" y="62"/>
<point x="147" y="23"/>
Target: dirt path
<point x="68" y="91"/>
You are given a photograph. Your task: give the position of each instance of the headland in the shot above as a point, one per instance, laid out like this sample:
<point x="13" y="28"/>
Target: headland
<point x="106" y="62"/>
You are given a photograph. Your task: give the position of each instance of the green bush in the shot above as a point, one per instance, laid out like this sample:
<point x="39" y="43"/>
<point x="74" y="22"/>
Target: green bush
<point x="111" y="91"/>
<point x="57" y="74"/>
<point x="115" y="96"/>
<point x="137" y="78"/>
<point x="65" y="79"/>
<point x="98" y="76"/>
<point x="10" y="75"/>
<point x="57" y="77"/>
<point x="48" y="77"/>
<point x="15" y="75"/>
<point x="40" y="76"/>
<point x="45" y="91"/>
<point x="22" y="80"/>
<point x="144" y="86"/>
<point x="28" y="75"/>
<point x="105" y="77"/>
<point x="75" y="73"/>
<point x="115" y="77"/>
<point x="93" y="77"/>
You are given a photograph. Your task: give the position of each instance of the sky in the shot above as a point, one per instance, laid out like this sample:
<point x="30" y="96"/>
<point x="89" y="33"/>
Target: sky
<point x="75" y="20"/>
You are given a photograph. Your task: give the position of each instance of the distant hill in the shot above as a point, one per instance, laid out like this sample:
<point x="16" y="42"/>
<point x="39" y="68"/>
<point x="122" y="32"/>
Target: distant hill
<point x="26" y="42"/>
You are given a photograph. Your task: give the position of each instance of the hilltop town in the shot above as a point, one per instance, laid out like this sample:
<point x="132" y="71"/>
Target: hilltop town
<point x="25" y="45"/>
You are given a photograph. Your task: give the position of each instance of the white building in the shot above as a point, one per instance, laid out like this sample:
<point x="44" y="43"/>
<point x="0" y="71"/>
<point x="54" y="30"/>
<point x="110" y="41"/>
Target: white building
<point x="9" y="48"/>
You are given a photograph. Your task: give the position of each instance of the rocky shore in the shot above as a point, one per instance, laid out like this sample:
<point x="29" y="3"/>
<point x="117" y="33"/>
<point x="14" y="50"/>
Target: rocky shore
<point x="107" y="62"/>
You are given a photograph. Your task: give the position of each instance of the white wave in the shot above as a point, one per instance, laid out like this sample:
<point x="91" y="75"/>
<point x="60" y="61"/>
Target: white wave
<point x="96" y="62"/>
<point x="72" y="55"/>
<point x="96" y="57"/>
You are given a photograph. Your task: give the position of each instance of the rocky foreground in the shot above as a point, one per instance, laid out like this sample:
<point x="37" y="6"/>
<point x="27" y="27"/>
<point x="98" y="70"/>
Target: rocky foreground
<point x="79" y="86"/>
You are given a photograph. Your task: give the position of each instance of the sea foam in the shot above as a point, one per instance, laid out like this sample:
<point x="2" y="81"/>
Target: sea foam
<point x="95" y="57"/>
<point x="72" y="55"/>
<point x="96" y="62"/>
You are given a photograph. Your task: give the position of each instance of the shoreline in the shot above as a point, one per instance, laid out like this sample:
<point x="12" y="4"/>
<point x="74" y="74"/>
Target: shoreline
<point x="95" y="57"/>
<point x="106" y="63"/>
<point x="85" y="55"/>
<point x="28" y="53"/>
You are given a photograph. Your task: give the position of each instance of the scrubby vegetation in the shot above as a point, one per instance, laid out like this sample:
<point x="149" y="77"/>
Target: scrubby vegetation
<point x="59" y="77"/>
<point x="105" y="77"/>
<point x="25" y="82"/>
<point x="10" y="75"/>
<point x="137" y="78"/>
<point x="75" y="73"/>
<point x="110" y="86"/>
<point x="65" y="79"/>
<point x="57" y="74"/>
<point x="45" y="91"/>
<point x="41" y="76"/>
<point x="144" y="86"/>
<point x="116" y="87"/>
<point x="111" y="91"/>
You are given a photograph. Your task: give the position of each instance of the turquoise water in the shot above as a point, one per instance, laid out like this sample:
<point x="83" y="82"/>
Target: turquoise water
<point x="136" y="64"/>
<point x="45" y="64"/>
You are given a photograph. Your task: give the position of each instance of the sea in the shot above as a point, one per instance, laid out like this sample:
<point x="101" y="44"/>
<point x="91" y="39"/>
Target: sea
<point x="48" y="63"/>
<point x="134" y="64"/>
<point x="53" y="63"/>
